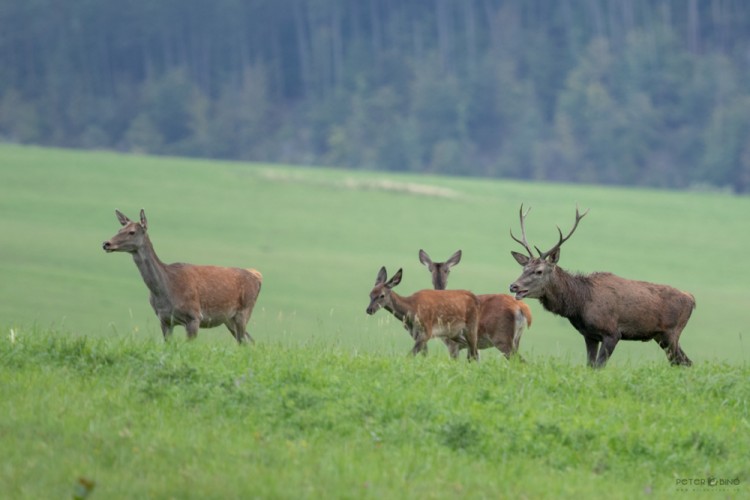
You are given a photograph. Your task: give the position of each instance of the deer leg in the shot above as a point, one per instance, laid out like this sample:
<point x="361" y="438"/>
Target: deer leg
<point x="453" y="347"/>
<point x="166" y="329"/>
<point x="191" y="327"/>
<point x="683" y="359"/>
<point x="592" y="348"/>
<point x="605" y="351"/>
<point x="235" y="330"/>
<point x="238" y="328"/>
<point x="674" y="352"/>
<point x="241" y="320"/>
<point x="503" y="345"/>
<point x="421" y="335"/>
<point x="668" y="349"/>
<point x="471" y="334"/>
<point x="420" y="346"/>
<point x="508" y="350"/>
<point x="471" y="338"/>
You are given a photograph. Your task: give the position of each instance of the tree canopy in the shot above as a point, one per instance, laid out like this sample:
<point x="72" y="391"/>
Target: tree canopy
<point x="630" y="92"/>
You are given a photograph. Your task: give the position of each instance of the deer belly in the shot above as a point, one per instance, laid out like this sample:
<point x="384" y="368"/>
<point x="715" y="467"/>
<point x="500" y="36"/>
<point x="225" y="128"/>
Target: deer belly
<point x="448" y="330"/>
<point x="209" y="320"/>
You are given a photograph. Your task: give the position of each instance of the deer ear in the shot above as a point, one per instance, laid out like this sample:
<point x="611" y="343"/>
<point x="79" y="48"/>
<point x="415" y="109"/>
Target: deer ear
<point x="121" y="217"/>
<point x="520" y="258"/>
<point x="144" y="222"/>
<point x="382" y="276"/>
<point x="554" y="256"/>
<point x="395" y="280"/>
<point x="455" y="259"/>
<point x="425" y="259"/>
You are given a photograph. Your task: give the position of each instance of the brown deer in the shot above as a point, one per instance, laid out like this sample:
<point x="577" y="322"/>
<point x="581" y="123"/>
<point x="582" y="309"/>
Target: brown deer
<point x="185" y="294"/>
<point x="451" y="314"/>
<point x="603" y="307"/>
<point x="502" y="318"/>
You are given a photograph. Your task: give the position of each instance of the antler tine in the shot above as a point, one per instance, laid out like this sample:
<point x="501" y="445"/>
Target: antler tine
<point x="524" y="243"/>
<point x="562" y="240"/>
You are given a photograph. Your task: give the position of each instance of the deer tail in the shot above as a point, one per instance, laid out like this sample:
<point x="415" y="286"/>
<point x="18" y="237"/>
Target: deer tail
<point x="255" y="273"/>
<point x="526" y="312"/>
<point x="520" y="326"/>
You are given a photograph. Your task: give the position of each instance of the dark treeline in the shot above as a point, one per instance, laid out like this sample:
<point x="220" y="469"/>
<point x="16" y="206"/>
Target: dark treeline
<point x="634" y="92"/>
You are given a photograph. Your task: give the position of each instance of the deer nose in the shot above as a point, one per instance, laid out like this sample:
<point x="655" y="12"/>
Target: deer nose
<point x="106" y="245"/>
<point x="514" y="288"/>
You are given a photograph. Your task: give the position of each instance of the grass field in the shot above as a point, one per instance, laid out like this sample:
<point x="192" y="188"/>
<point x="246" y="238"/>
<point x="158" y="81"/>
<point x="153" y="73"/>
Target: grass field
<point x="184" y="420"/>
<point x="327" y="403"/>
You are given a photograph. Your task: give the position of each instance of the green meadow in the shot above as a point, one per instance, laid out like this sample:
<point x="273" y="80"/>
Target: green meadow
<point x="319" y="237"/>
<point x="326" y="403"/>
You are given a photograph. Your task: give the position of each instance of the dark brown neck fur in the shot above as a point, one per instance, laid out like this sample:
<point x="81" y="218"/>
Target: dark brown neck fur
<point x="566" y="294"/>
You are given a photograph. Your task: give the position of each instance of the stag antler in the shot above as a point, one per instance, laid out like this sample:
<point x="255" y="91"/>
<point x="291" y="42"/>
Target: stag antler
<point x="579" y="216"/>
<point x="523" y="232"/>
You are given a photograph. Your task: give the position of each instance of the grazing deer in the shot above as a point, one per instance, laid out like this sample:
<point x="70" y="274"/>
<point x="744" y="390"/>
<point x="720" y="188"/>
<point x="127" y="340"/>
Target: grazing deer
<point x="502" y="318"/>
<point x="451" y="314"/>
<point x="603" y="307"/>
<point x="185" y="294"/>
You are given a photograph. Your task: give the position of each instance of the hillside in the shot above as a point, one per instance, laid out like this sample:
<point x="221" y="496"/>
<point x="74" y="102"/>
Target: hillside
<point x="319" y="237"/>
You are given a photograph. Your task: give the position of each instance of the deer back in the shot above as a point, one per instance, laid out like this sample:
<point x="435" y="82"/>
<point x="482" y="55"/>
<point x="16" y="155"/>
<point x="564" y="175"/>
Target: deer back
<point x="446" y="307"/>
<point x="636" y="308"/>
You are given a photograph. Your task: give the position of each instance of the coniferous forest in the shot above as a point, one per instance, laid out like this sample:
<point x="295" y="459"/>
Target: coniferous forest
<point x="625" y="92"/>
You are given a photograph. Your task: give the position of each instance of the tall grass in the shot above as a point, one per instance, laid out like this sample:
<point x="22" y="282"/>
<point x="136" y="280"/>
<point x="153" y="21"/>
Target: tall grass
<point x="140" y="418"/>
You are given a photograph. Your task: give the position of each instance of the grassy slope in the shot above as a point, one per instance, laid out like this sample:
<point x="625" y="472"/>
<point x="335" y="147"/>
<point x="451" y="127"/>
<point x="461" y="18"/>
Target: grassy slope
<point x="148" y="420"/>
<point x="320" y="243"/>
<point x="326" y="403"/>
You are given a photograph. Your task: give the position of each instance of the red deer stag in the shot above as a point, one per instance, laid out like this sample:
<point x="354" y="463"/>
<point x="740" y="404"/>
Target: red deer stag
<point x="185" y="294"/>
<point x="603" y="307"/>
<point x="502" y="318"/>
<point x="429" y="313"/>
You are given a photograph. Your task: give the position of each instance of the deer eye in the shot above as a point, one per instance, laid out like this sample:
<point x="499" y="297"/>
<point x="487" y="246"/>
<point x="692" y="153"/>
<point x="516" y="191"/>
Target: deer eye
<point x="382" y="295"/>
<point x="538" y="272"/>
<point x="131" y="232"/>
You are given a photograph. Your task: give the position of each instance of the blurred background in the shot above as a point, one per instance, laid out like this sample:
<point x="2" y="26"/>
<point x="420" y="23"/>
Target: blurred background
<point x="621" y="92"/>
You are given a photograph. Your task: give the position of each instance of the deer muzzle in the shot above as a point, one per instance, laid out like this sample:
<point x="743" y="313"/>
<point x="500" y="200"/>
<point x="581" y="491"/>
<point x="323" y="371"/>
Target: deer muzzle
<point x="514" y="288"/>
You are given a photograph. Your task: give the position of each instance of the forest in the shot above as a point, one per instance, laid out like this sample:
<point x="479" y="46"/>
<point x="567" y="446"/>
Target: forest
<point x="617" y="92"/>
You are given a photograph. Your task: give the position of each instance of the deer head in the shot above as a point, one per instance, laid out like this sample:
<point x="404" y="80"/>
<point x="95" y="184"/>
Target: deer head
<point x="537" y="270"/>
<point x="130" y="237"/>
<point x="380" y="295"/>
<point x="439" y="270"/>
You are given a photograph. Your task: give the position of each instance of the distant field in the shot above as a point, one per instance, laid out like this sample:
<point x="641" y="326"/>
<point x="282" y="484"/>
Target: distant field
<point x="319" y="236"/>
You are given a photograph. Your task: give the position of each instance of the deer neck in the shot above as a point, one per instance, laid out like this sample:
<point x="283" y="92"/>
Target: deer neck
<point x="397" y="315"/>
<point x="566" y="294"/>
<point x="400" y="306"/>
<point x="151" y="268"/>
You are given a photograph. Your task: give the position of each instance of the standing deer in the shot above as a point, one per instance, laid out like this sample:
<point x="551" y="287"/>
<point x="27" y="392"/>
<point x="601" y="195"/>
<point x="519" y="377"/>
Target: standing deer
<point x="603" y="307"/>
<point x="502" y="318"/>
<point x="450" y="314"/>
<point x="185" y="294"/>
